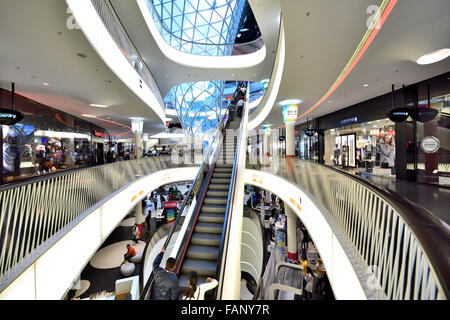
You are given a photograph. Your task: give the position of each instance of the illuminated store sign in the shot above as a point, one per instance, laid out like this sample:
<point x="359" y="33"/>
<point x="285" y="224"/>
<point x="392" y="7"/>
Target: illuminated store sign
<point x="310" y="132"/>
<point x="424" y="114"/>
<point x="290" y="113"/>
<point x="398" y="115"/>
<point x="10" y="117"/>
<point x="349" y="121"/>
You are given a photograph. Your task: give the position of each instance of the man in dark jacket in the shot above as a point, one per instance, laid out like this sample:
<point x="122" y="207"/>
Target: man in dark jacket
<point x="165" y="286"/>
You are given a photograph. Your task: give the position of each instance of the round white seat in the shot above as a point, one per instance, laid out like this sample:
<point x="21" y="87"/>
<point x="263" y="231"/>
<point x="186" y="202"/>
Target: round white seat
<point x="127" y="269"/>
<point x="137" y="258"/>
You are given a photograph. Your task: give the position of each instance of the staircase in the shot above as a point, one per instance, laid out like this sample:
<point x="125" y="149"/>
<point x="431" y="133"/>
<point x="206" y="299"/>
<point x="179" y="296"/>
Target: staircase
<point x="203" y="251"/>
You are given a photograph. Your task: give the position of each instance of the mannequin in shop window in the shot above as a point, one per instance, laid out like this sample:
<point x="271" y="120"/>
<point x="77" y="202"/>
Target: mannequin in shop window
<point x="387" y="152"/>
<point x="337" y="153"/>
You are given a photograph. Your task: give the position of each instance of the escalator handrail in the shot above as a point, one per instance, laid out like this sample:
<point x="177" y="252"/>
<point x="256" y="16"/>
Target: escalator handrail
<point x="228" y="216"/>
<point x="222" y="126"/>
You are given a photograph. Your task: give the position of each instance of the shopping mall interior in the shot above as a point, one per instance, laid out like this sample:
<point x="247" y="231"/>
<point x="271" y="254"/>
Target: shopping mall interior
<point x="240" y="150"/>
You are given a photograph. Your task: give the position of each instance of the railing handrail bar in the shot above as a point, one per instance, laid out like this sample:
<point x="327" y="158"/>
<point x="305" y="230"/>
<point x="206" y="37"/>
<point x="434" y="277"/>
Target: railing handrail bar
<point x="416" y="218"/>
<point x="48" y="176"/>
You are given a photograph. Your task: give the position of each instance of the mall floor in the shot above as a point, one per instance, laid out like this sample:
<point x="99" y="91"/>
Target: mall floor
<point x="103" y="270"/>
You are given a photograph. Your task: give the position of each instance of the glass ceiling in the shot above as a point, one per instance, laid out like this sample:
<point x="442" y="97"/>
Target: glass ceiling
<point x="201" y="105"/>
<point x="202" y="27"/>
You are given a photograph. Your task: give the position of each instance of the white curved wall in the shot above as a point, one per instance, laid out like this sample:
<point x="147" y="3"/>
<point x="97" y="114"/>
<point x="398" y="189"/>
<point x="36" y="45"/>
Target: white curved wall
<point x="251" y="248"/>
<point x="274" y="85"/>
<point x="53" y="273"/>
<point x="100" y="39"/>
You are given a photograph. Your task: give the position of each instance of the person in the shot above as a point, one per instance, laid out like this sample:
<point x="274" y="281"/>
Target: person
<point x="320" y="271"/>
<point x="387" y="152"/>
<point x="304" y="263"/>
<point x="131" y="252"/>
<point x="195" y="291"/>
<point x="240" y="106"/>
<point x="158" y="200"/>
<point x="337" y="153"/>
<point x="166" y="283"/>
<point x="309" y="284"/>
<point x="305" y="240"/>
<point x="136" y="233"/>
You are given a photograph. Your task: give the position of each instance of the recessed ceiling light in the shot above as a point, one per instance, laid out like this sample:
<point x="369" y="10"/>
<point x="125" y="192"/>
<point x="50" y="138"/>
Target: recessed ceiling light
<point x="88" y="115"/>
<point x="290" y="101"/>
<point x="434" y="56"/>
<point x="330" y="101"/>
<point x="98" y="105"/>
<point x="45" y="83"/>
<point x="365" y="85"/>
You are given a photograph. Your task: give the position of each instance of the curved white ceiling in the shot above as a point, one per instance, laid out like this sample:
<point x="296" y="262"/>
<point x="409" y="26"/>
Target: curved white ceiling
<point x="199" y="61"/>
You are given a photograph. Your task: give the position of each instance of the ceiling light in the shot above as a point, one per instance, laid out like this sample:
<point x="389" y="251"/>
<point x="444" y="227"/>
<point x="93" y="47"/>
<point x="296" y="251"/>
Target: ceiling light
<point x="330" y="101"/>
<point x="45" y="83"/>
<point x="434" y="56"/>
<point x="98" y="105"/>
<point x="290" y="101"/>
<point x="243" y="30"/>
<point x="88" y="115"/>
<point x="365" y="85"/>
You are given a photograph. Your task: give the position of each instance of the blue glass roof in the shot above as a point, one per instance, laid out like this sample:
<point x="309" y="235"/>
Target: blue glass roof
<point x="203" y="27"/>
<point x="201" y="105"/>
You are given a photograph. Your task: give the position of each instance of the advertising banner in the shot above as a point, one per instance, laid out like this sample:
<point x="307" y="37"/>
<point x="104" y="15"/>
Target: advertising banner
<point x="280" y="245"/>
<point x="290" y="112"/>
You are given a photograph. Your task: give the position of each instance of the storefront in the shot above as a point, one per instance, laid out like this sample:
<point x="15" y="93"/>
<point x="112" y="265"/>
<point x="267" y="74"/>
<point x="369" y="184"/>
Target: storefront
<point x="368" y="147"/>
<point x="45" y="141"/>
<point x="362" y="138"/>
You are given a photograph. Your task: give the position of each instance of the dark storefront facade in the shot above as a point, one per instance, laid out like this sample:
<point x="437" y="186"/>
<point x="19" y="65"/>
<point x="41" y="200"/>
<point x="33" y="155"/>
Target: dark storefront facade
<point x="46" y="141"/>
<point x="363" y="138"/>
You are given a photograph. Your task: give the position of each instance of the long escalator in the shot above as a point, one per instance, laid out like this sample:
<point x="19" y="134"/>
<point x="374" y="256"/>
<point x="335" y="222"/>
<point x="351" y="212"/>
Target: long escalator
<point x="200" y="236"/>
<point x="202" y="253"/>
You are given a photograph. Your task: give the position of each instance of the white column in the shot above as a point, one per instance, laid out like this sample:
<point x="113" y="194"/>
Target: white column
<point x="291" y="233"/>
<point x="137" y="125"/>
<point x="138" y="145"/>
<point x="139" y="214"/>
<point x="290" y="139"/>
<point x="267" y="143"/>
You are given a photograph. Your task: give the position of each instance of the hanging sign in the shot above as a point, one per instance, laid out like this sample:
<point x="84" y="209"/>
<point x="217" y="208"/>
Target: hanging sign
<point x="424" y="114"/>
<point x="430" y="144"/>
<point x="349" y="121"/>
<point x="398" y="114"/>
<point x="310" y="132"/>
<point x="10" y="117"/>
